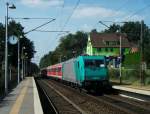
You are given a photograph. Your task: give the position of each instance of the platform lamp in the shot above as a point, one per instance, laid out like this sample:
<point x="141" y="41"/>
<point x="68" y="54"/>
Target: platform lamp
<point x="8" y="6"/>
<point x="22" y="59"/>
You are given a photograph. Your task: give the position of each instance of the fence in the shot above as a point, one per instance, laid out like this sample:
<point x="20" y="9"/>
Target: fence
<point x="130" y="75"/>
<point x="12" y="81"/>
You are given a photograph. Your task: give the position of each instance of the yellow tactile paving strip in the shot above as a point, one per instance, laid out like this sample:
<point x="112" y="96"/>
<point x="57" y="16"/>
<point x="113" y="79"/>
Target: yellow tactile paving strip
<point x="17" y="105"/>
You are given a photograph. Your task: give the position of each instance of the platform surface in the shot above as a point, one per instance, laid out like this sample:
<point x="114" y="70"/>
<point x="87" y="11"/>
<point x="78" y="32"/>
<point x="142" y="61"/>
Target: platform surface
<point x="139" y="90"/>
<point x="24" y="99"/>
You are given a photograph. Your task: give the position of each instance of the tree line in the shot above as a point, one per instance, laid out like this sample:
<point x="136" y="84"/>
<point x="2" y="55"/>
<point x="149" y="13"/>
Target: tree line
<point x="73" y="45"/>
<point x="17" y="30"/>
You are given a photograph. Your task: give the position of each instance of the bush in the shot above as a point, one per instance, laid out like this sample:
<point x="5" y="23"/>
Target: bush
<point x="128" y="75"/>
<point x="147" y="81"/>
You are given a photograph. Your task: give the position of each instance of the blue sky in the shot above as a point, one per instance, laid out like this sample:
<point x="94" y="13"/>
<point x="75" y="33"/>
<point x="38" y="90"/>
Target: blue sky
<point x="85" y="17"/>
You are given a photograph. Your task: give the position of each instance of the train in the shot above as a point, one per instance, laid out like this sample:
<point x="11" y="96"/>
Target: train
<point x="88" y="72"/>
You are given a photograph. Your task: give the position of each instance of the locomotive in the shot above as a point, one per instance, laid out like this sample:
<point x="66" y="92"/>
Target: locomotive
<point x="88" y="72"/>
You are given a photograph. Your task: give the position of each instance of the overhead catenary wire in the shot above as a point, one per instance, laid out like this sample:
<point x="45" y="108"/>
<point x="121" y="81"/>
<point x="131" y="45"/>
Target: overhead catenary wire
<point x="138" y="11"/>
<point x="39" y="26"/>
<point x="117" y="9"/>
<point x="66" y="22"/>
<point x="49" y="31"/>
<point x="27" y="18"/>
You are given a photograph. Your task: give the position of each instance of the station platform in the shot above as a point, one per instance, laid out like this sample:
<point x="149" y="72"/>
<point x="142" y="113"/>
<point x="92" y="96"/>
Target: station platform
<point x="138" y="90"/>
<point x="24" y="99"/>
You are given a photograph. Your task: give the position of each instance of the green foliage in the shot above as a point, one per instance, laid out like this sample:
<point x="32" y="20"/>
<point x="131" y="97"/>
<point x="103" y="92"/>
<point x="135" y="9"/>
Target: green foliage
<point x="147" y="54"/>
<point x="128" y="75"/>
<point x="132" y="60"/>
<point x="70" y="46"/>
<point x="147" y="80"/>
<point x="33" y="69"/>
<point x="133" y="31"/>
<point x="17" y="30"/>
<point x="113" y="29"/>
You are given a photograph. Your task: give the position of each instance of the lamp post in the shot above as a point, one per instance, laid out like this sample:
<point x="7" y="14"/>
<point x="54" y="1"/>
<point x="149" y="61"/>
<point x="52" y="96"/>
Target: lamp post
<point x="18" y="60"/>
<point x="6" y="44"/>
<point x="22" y="57"/>
<point x="141" y="56"/>
<point x="120" y="38"/>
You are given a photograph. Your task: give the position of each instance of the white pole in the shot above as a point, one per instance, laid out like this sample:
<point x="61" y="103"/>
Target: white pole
<point x="18" y="60"/>
<point x="6" y="48"/>
<point x="22" y="66"/>
<point x="22" y="62"/>
<point x="120" y="57"/>
<point x="141" y="55"/>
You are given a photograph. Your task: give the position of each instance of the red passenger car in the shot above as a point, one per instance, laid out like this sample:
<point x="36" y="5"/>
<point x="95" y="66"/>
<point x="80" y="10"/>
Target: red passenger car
<point x="55" y="71"/>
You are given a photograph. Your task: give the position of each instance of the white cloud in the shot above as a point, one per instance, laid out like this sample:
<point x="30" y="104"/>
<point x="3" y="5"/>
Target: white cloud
<point x="86" y="27"/>
<point x="42" y="3"/>
<point x="134" y="18"/>
<point x="94" y="11"/>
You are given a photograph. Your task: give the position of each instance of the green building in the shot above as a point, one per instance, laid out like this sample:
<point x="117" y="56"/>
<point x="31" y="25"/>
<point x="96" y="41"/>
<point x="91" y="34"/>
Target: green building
<point x="108" y="44"/>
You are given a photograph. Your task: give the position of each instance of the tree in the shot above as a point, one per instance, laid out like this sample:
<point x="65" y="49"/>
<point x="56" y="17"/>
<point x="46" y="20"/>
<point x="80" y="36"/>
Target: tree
<point x="133" y="31"/>
<point x="17" y="30"/>
<point x="112" y="29"/>
<point x="2" y="43"/>
<point x="70" y="46"/>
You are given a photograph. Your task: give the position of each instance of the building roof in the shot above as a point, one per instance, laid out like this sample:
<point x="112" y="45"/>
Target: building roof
<point x="103" y="40"/>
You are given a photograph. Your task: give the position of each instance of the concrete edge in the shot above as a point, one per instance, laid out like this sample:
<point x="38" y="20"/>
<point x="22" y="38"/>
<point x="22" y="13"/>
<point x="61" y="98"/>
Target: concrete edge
<point x="37" y="104"/>
<point x="138" y="91"/>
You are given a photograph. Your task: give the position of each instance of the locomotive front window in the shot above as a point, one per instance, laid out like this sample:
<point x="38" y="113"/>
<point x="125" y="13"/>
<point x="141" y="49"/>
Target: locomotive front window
<point x="94" y="63"/>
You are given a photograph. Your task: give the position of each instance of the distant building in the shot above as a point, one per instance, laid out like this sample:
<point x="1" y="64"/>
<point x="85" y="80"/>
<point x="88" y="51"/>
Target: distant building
<point x="108" y="44"/>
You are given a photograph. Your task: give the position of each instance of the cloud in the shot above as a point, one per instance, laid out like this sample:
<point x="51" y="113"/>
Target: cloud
<point x="135" y="18"/>
<point x="41" y="3"/>
<point x="95" y="11"/>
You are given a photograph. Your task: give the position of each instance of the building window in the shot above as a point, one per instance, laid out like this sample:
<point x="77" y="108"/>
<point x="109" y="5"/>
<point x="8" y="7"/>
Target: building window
<point x="106" y="49"/>
<point x="98" y="49"/>
<point x="118" y="42"/>
<point x="111" y="49"/>
<point x="107" y="43"/>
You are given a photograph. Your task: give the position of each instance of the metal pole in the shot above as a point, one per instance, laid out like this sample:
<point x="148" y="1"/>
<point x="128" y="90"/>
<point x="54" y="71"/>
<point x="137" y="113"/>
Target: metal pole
<point x="23" y="69"/>
<point x="22" y="63"/>
<point x="6" y="48"/>
<point x="10" y="72"/>
<point x="141" y="45"/>
<point x="120" y="58"/>
<point x="18" y="60"/>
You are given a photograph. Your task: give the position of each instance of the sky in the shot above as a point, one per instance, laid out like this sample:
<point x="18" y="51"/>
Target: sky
<point x="72" y="16"/>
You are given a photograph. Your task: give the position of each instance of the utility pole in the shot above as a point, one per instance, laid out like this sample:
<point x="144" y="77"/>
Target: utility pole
<point x="18" y="60"/>
<point x="6" y="48"/>
<point x="141" y="55"/>
<point x="6" y="45"/>
<point x="120" y="59"/>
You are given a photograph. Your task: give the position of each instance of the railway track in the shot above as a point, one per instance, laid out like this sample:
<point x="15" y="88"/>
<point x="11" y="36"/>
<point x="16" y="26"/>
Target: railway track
<point x="106" y="104"/>
<point x="59" y="103"/>
<point x="47" y="104"/>
<point x="86" y="103"/>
